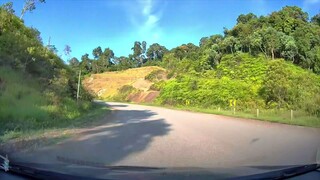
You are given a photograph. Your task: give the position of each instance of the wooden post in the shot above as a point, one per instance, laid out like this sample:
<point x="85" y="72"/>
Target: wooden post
<point x="291" y="115"/>
<point x="78" y="90"/>
<point x="257" y="112"/>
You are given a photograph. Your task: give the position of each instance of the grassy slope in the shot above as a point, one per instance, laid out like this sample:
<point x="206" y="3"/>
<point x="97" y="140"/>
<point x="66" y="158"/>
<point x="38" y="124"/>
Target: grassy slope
<point x="107" y="84"/>
<point x="25" y="112"/>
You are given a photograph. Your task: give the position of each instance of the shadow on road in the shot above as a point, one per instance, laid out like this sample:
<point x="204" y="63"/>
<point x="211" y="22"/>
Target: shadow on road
<point x="127" y="133"/>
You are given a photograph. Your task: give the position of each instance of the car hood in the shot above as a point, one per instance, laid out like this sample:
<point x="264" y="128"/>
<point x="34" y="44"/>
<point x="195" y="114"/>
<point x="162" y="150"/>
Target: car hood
<point x="137" y="172"/>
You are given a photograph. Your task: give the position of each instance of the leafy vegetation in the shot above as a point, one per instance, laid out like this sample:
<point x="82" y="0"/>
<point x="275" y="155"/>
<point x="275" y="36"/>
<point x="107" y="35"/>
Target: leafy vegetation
<point x="124" y="92"/>
<point x="268" y="62"/>
<point x="156" y="75"/>
<point x="252" y="82"/>
<point x="37" y="89"/>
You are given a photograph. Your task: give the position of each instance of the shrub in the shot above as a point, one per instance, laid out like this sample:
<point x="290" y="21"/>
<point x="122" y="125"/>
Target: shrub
<point x="124" y="92"/>
<point x="155" y="75"/>
<point x="157" y="86"/>
<point x="170" y="74"/>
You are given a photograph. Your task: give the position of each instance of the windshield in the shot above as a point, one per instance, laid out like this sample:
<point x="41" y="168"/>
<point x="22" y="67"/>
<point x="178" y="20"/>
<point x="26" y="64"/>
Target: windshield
<point x="163" y="84"/>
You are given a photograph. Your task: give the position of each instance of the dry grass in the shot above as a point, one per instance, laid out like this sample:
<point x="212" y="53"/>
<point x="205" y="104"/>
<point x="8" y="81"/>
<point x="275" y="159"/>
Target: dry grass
<point x="106" y="84"/>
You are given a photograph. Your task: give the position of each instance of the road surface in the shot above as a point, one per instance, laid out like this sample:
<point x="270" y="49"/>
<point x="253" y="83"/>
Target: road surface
<point x="152" y="136"/>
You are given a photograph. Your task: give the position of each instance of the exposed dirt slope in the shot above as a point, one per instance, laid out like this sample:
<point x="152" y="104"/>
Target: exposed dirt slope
<point x="145" y="97"/>
<point x="106" y="85"/>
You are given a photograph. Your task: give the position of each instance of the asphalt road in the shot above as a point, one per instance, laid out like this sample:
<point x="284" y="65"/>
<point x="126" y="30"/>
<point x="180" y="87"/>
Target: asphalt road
<point x="152" y="136"/>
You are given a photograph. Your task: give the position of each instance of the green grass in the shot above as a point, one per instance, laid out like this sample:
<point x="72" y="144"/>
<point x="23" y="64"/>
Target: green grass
<point x="278" y="116"/>
<point x="26" y="111"/>
<point x="17" y="140"/>
<point x="89" y="119"/>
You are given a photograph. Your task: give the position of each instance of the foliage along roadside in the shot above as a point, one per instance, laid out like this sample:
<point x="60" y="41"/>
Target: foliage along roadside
<point x="254" y="82"/>
<point x="37" y="89"/>
<point x="267" y="62"/>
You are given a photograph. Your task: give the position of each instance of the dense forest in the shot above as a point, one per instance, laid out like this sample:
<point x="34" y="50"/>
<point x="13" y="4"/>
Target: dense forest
<point x="268" y="62"/>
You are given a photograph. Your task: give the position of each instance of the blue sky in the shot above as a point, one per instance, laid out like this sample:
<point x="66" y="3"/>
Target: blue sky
<point x="86" y="24"/>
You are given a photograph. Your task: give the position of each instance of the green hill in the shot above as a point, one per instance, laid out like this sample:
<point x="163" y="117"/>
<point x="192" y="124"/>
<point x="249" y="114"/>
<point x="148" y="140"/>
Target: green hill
<point x="37" y="89"/>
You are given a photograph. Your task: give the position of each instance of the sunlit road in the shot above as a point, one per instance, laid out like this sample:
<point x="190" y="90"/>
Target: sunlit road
<point x="152" y="136"/>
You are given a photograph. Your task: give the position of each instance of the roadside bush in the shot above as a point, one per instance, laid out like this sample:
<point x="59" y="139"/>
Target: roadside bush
<point x="124" y="92"/>
<point x="288" y="86"/>
<point x="156" y="75"/>
<point x="157" y="86"/>
<point x="312" y="106"/>
<point x="253" y="82"/>
<point x="170" y="74"/>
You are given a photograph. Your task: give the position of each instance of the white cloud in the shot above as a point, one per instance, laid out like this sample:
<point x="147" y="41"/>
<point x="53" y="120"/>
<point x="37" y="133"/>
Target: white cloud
<point x="151" y="21"/>
<point x="147" y="6"/>
<point x="145" y="16"/>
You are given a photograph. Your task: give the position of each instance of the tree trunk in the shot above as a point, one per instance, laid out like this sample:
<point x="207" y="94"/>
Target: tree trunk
<point x="272" y="53"/>
<point x="22" y="13"/>
<point x="293" y="60"/>
<point x="264" y="52"/>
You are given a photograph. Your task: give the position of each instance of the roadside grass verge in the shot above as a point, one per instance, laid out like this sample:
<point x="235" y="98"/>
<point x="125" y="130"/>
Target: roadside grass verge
<point x="278" y="116"/>
<point x="300" y="118"/>
<point x="26" y="109"/>
<point x="60" y="129"/>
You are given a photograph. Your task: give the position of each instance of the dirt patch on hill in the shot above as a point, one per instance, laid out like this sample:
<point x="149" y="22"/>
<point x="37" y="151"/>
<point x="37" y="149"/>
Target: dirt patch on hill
<point x="143" y="97"/>
<point x="107" y="84"/>
<point x="142" y="84"/>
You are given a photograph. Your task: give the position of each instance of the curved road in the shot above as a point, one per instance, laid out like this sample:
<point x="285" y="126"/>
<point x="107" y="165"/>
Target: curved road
<point x="152" y="136"/>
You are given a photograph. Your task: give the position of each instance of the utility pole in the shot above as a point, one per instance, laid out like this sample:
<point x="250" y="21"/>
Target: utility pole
<point x="78" y="90"/>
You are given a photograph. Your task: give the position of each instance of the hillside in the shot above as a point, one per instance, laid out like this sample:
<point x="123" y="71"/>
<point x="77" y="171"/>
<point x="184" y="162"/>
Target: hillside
<point x="108" y="85"/>
<point x="37" y="88"/>
<point x="240" y="81"/>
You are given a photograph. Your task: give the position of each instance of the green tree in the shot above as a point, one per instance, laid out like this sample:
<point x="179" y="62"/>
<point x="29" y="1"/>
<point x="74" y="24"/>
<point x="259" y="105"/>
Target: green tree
<point x="246" y="18"/>
<point x="97" y="52"/>
<point x="316" y="19"/>
<point x="268" y="40"/>
<point x="67" y="50"/>
<point x="275" y="86"/>
<point x="30" y="5"/>
<point x="139" y="50"/>
<point x="156" y="51"/>
<point x="74" y="62"/>
<point x="85" y="64"/>
<point x="229" y="43"/>
<point x="8" y="7"/>
<point x="288" y="19"/>
<point x="189" y="51"/>
<point x="289" y="48"/>
<point x="105" y="60"/>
